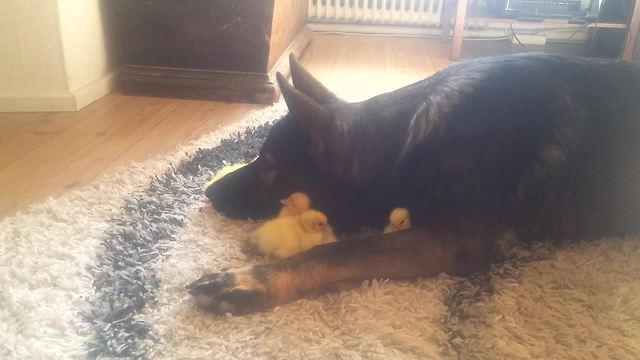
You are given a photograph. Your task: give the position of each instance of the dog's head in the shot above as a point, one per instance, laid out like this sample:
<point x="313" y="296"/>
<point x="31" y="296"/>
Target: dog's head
<point x="308" y="150"/>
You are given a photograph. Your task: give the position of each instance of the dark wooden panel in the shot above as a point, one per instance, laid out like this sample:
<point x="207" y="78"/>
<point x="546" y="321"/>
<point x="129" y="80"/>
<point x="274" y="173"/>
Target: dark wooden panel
<point x="197" y="84"/>
<point x="204" y="49"/>
<point x="222" y="35"/>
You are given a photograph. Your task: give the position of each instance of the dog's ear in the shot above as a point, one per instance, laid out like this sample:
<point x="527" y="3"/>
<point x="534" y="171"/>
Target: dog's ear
<point x="315" y="118"/>
<point x="327" y="145"/>
<point x="307" y="84"/>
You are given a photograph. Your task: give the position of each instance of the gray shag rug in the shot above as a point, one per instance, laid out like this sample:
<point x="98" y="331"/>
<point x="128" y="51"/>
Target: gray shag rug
<point x="100" y="273"/>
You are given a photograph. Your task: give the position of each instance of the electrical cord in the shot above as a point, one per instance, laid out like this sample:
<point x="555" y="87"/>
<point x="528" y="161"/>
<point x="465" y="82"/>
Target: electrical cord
<point x="517" y="39"/>
<point x="581" y="28"/>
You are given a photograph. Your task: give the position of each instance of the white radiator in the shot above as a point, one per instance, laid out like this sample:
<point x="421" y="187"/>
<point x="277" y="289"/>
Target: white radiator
<point x="420" y="17"/>
<point x="377" y="12"/>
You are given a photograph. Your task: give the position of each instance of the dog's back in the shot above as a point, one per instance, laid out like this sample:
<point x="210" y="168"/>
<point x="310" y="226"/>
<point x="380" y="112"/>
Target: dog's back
<point x="549" y="144"/>
<point x="545" y="143"/>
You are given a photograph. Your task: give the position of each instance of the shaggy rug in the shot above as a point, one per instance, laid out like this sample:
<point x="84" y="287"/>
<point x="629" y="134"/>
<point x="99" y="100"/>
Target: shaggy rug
<point x="100" y="273"/>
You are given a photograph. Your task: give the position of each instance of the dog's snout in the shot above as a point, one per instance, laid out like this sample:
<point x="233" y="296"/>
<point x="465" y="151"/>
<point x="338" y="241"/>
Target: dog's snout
<point x="237" y="195"/>
<point x="226" y="200"/>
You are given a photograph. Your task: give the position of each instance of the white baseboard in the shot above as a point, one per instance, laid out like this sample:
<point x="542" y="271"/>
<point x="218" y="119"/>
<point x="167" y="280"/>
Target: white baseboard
<point x="373" y="29"/>
<point x="16" y="102"/>
<point x="475" y="29"/>
<point x="94" y="91"/>
<point x="60" y="101"/>
<point x="410" y="31"/>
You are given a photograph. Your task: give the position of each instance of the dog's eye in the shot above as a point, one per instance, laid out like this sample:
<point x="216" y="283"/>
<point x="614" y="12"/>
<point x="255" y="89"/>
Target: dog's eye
<point x="268" y="177"/>
<point x="268" y="161"/>
<point x="267" y="170"/>
<point x="402" y="222"/>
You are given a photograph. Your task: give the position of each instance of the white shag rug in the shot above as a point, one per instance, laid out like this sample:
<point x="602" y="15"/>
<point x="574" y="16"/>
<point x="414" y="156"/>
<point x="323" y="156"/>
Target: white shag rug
<point x="100" y="273"/>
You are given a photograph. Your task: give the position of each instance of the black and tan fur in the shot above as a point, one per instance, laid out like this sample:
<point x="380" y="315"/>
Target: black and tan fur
<point x="546" y="145"/>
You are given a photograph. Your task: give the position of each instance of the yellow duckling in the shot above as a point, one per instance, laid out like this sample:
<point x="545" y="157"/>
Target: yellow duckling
<point x="315" y="222"/>
<point x="289" y="235"/>
<point x="295" y="204"/>
<point x="399" y="219"/>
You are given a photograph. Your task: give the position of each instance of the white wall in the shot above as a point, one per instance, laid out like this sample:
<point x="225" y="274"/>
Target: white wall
<point x="52" y="55"/>
<point x="86" y="60"/>
<point x="31" y="64"/>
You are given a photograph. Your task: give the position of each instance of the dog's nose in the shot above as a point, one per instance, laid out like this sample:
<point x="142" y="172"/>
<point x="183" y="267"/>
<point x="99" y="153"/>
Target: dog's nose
<point x="222" y="199"/>
<point x="236" y="198"/>
<point x="210" y="192"/>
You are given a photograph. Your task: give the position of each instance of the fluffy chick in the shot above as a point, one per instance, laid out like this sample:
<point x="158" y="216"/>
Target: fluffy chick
<point x="295" y="204"/>
<point x="315" y="222"/>
<point x="399" y="219"/>
<point x="289" y="235"/>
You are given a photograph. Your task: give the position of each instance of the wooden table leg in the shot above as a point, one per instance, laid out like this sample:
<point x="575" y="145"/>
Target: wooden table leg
<point x="445" y="21"/>
<point x="632" y="33"/>
<point x="458" y="30"/>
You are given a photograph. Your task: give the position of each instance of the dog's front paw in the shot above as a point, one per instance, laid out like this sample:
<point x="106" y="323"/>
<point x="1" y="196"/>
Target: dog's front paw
<point x="236" y="291"/>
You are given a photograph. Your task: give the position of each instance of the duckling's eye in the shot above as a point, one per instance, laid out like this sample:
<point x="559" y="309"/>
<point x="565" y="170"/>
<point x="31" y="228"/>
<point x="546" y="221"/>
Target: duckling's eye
<point x="402" y="222"/>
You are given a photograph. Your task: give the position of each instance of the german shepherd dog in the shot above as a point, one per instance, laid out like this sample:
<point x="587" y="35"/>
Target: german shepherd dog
<point x="545" y="145"/>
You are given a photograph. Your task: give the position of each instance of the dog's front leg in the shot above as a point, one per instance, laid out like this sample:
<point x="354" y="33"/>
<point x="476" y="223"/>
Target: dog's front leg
<point x="402" y="255"/>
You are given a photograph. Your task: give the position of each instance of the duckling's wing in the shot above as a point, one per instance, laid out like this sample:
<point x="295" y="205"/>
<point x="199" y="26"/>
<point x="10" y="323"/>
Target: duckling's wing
<point x="277" y="234"/>
<point x="310" y="239"/>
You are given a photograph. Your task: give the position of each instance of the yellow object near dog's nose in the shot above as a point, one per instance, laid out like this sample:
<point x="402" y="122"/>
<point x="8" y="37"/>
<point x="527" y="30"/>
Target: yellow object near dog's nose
<point x="223" y="172"/>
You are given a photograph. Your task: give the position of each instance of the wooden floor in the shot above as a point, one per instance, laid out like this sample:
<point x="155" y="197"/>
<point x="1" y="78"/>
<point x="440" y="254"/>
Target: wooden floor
<point x="46" y="154"/>
<point x="358" y="67"/>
